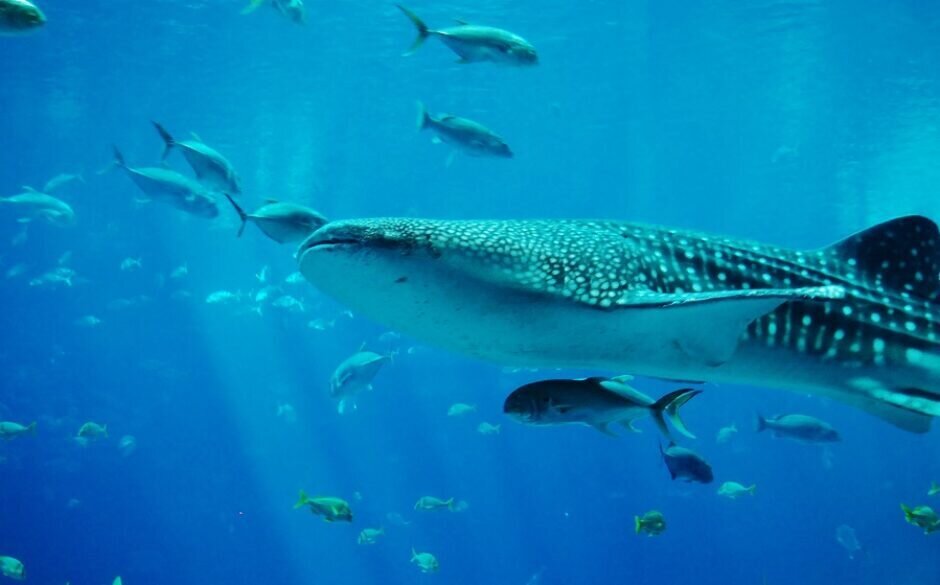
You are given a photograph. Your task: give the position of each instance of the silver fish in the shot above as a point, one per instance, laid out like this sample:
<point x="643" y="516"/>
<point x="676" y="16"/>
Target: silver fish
<point x="34" y="205"/>
<point x="596" y="402"/>
<point x="470" y="137"/>
<point x="19" y="17"/>
<point x="61" y="180"/>
<point x="171" y="187"/>
<point x="354" y="374"/>
<point x="857" y="321"/>
<point x="474" y="44"/>
<point x="212" y="169"/>
<point x="52" y="279"/>
<point x="282" y="222"/>
<point x="293" y="10"/>
<point x="801" y="427"/>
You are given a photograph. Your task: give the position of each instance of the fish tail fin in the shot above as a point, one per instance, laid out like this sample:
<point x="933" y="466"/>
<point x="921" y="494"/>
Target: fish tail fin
<point x="423" y="117"/>
<point x="241" y="213"/>
<point x="117" y="161"/>
<point x="637" y="524"/>
<point x="908" y="513"/>
<point x="423" y="31"/>
<point x="301" y="500"/>
<point x="934" y="489"/>
<point x="168" y="141"/>
<point x="450" y="504"/>
<point x="31" y="428"/>
<point x="752" y="489"/>
<point x="761" y="423"/>
<point x="414" y="553"/>
<point x="252" y="6"/>
<point x="104" y="429"/>
<point x="668" y="407"/>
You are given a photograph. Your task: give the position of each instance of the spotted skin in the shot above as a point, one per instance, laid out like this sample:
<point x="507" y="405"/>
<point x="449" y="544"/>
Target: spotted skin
<point x="571" y="293"/>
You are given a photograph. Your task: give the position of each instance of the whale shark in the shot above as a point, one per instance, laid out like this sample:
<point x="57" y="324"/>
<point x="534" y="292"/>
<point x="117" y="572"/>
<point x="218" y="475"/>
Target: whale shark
<point x="855" y="321"/>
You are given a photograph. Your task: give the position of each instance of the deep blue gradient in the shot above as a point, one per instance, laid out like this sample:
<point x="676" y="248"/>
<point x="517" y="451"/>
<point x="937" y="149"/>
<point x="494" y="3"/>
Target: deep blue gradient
<point x="794" y="122"/>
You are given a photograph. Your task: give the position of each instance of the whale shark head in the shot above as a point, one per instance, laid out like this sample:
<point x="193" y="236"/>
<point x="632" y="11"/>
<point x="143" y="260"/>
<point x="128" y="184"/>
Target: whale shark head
<point x="405" y="272"/>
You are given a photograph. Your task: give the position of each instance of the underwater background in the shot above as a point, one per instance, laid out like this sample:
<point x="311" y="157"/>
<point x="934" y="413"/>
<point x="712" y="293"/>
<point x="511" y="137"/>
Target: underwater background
<point x="792" y="122"/>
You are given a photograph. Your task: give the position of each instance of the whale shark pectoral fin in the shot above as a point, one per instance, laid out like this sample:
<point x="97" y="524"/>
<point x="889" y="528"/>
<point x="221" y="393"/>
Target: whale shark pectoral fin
<point x="706" y="327"/>
<point x="886" y="404"/>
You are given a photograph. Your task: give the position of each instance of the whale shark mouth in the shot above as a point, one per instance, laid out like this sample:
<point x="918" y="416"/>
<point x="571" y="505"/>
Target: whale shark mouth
<point x="332" y="242"/>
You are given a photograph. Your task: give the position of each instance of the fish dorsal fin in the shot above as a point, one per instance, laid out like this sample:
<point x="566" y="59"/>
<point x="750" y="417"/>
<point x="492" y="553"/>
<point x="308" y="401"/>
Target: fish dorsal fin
<point x="901" y="255"/>
<point x="704" y="328"/>
<point x="29" y="189"/>
<point x="196" y="138"/>
<point x="461" y="22"/>
<point x="625" y="391"/>
<point x="270" y="201"/>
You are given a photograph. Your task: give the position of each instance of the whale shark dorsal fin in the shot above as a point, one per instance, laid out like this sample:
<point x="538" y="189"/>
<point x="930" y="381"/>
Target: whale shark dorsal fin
<point x="706" y="327"/>
<point x="902" y="254"/>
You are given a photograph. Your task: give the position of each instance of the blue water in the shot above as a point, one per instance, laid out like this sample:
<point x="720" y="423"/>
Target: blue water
<point x="790" y="122"/>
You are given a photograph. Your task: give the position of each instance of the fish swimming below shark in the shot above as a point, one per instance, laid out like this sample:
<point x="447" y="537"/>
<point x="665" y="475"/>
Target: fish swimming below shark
<point x="856" y="321"/>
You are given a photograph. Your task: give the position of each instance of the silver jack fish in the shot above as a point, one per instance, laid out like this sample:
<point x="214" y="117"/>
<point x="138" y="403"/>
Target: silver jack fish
<point x="596" y="402"/>
<point x="170" y="187"/>
<point x="471" y="137"/>
<point x="856" y="321"/>
<point x="282" y="222"/>
<point x="35" y="205"/>
<point x="474" y="43"/>
<point x="19" y="16"/>
<point x="799" y="427"/>
<point x="293" y="10"/>
<point x="211" y="168"/>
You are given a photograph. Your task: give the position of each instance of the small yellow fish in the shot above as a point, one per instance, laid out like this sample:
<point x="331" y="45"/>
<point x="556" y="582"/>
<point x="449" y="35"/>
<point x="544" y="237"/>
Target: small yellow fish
<point x="332" y="509"/>
<point x="653" y="523"/>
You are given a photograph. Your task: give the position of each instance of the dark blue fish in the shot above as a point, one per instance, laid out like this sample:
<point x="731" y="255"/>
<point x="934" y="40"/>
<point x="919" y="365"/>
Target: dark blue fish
<point x="686" y="464"/>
